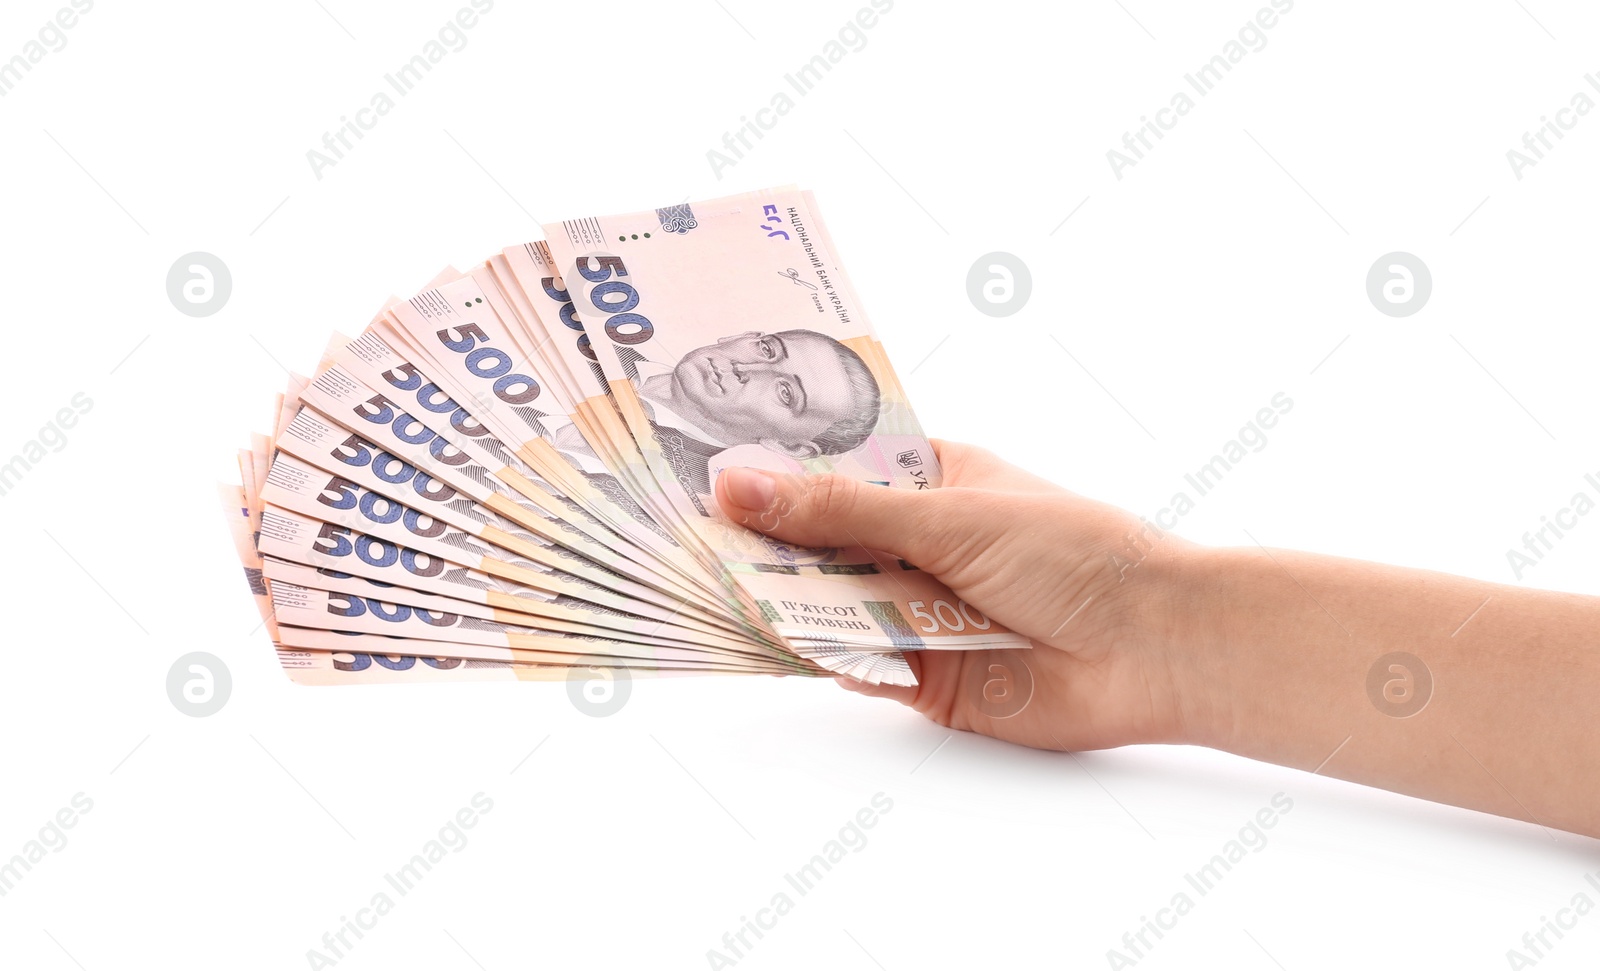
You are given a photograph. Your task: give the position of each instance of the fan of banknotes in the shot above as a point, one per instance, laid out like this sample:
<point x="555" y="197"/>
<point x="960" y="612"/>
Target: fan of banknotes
<point x="511" y="475"/>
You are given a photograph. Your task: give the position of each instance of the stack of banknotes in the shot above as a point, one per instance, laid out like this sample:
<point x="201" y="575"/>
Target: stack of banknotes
<point x="511" y="475"/>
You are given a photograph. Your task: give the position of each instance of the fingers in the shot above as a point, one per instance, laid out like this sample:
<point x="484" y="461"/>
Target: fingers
<point x="969" y="465"/>
<point x="960" y="453"/>
<point x="962" y="463"/>
<point x="905" y="694"/>
<point x="826" y="510"/>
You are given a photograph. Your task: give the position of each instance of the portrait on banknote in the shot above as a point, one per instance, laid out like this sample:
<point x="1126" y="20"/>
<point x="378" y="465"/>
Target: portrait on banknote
<point x="798" y="393"/>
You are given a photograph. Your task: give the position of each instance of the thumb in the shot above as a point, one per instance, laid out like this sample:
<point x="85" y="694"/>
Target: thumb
<point x="826" y="510"/>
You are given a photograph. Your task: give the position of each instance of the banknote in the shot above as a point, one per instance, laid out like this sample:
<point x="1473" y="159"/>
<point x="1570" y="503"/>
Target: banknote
<point x="511" y="474"/>
<point x="236" y="509"/>
<point x="457" y="326"/>
<point x="544" y="616"/>
<point x="382" y="652"/>
<point x="426" y="512"/>
<point x="467" y="335"/>
<point x="309" y="662"/>
<point x="446" y="490"/>
<point x="505" y="387"/>
<point x="532" y="269"/>
<point x="338" y="549"/>
<point x="599" y="432"/>
<point x="449" y="455"/>
<point x="370" y="526"/>
<point x="306" y="607"/>
<point x="390" y="375"/>
<point x="776" y="366"/>
<point x="528" y="270"/>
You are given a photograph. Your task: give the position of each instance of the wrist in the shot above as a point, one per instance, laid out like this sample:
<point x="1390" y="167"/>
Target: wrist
<point x="1189" y="632"/>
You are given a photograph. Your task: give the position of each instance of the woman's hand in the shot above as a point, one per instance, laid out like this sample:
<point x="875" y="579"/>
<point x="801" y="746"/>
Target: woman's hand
<point x="1092" y="587"/>
<point x="1285" y="657"/>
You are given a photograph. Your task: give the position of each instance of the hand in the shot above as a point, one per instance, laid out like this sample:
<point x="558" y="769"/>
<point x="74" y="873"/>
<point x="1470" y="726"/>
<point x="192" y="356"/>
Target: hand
<point x="1142" y="637"/>
<point x="1088" y="584"/>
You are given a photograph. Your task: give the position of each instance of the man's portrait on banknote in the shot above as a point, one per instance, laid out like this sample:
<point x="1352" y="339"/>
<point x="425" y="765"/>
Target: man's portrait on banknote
<point x="798" y="393"/>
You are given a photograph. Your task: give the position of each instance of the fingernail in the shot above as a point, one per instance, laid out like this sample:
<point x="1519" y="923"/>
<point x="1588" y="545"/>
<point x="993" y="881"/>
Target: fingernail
<point x="749" y="488"/>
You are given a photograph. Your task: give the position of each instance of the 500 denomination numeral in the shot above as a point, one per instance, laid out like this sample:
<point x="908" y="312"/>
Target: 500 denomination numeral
<point x="350" y="605"/>
<point x="490" y="363"/>
<point x="360" y="662"/>
<point x="947" y="616"/>
<point x="338" y="541"/>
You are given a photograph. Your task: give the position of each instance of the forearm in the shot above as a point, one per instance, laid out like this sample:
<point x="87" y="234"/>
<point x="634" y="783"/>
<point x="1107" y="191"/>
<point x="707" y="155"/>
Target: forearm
<point x="1285" y="643"/>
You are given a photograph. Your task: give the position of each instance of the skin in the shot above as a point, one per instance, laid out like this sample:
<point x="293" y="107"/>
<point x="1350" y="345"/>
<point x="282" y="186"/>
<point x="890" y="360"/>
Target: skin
<point x="1141" y="637"/>
<point x="777" y="391"/>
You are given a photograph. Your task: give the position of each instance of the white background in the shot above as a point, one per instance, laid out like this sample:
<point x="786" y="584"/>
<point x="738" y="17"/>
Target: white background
<point x="1224" y="268"/>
